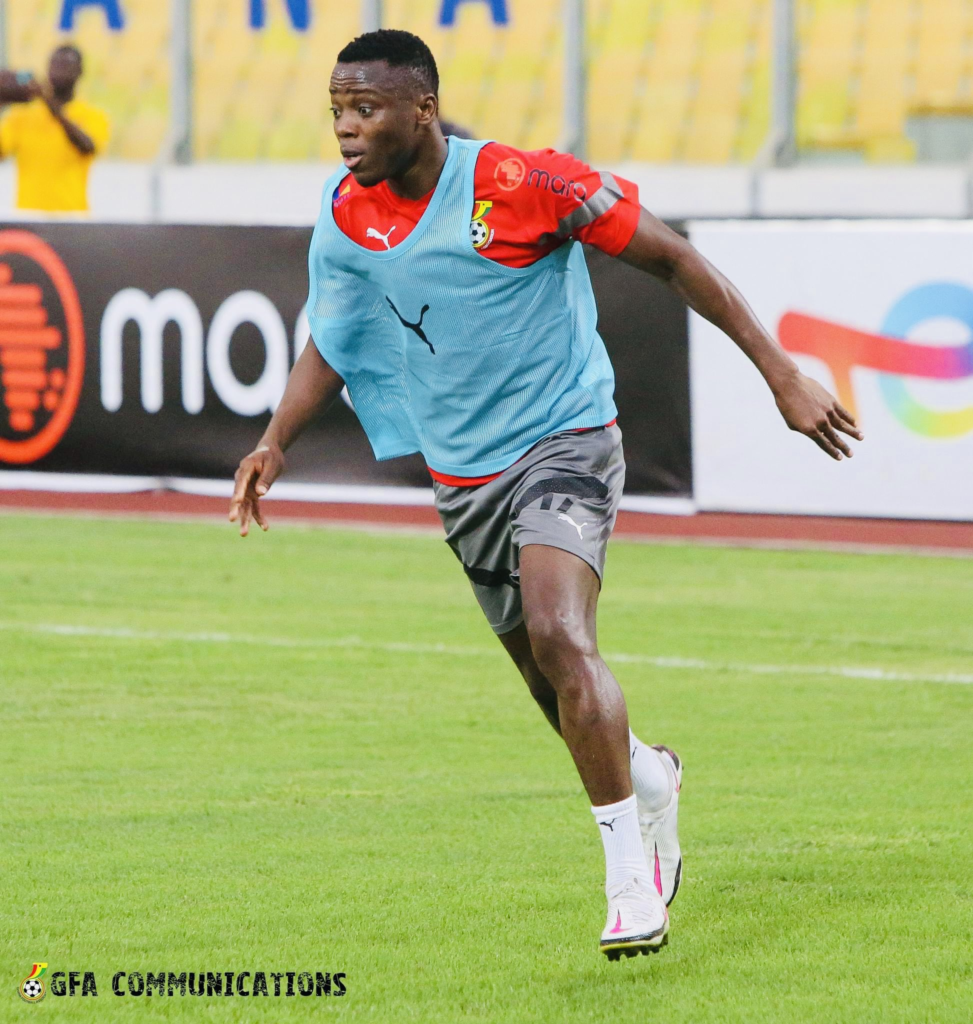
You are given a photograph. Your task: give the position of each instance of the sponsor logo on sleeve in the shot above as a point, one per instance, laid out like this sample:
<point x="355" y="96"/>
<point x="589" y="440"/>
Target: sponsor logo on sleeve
<point x="558" y="184"/>
<point x="510" y="173"/>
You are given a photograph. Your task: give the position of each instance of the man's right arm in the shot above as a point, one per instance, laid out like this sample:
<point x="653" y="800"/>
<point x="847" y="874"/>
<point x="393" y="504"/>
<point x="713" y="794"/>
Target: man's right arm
<point x="312" y="386"/>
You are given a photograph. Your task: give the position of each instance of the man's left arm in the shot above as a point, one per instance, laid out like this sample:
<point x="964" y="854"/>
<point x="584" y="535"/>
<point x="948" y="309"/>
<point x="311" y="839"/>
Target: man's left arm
<point x="806" y="406"/>
<point x="77" y="136"/>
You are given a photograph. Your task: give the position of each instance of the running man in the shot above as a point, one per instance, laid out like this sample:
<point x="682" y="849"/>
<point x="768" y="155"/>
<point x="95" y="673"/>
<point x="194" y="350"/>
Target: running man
<point x="449" y="292"/>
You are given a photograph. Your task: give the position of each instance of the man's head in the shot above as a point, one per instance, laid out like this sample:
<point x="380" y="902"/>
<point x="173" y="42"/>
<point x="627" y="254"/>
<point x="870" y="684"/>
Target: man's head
<point x="65" y="69"/>
<point x="385" y="99"/>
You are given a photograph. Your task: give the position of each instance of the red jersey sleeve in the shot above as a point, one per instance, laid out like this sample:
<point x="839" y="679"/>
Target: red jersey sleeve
<point x="542" y="199"/>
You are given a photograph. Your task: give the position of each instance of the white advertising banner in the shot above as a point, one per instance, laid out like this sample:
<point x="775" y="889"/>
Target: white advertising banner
<point x="882" y="314"/>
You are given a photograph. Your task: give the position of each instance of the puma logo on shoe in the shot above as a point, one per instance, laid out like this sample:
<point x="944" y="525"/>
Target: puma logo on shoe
<point x="567" y="518"/>
<point x="674" y="757"/>
<point x="375" y="233"/>
<point x="416" y="328"/>
<point x="610" y="825"/>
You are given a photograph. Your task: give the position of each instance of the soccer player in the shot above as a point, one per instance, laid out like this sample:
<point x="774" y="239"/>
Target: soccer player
<point x="449" y="292"/>
<point x="54" y="138"/>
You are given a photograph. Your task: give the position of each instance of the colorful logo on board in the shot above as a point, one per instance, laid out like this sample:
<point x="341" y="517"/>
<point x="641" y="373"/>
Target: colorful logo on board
<point x="894" y="357"/>
<point x="41" y="348"/>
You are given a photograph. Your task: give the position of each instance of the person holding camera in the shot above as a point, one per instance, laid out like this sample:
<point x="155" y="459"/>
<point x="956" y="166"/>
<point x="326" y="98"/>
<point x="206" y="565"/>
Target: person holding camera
<point x="53" y="136"/>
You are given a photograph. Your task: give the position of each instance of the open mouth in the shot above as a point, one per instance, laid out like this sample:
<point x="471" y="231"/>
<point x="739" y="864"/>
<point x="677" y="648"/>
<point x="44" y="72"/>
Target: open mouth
<point x="352" y="160"/>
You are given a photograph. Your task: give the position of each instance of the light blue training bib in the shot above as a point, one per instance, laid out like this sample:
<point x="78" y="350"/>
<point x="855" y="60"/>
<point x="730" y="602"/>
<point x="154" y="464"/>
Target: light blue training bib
<point x="448" y="353"/>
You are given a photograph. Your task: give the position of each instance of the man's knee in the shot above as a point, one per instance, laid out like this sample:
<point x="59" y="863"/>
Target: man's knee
<point x="563" y="648"/>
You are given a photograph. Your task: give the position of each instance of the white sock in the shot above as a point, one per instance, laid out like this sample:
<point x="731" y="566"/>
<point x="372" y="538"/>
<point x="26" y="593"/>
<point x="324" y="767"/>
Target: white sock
<point x="624" y="854"/>
<point x="651" y="780"/>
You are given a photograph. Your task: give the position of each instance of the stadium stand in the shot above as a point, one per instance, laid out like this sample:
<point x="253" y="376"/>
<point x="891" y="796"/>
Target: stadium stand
<point x="696" y="74"/>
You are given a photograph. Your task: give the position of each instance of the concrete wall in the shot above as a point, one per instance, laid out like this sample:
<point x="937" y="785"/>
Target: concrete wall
<point x="227" y="193"/>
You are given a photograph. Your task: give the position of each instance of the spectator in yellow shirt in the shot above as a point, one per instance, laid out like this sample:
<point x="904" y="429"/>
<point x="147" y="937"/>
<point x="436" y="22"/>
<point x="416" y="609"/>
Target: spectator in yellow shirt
<point x="54" y="139"/>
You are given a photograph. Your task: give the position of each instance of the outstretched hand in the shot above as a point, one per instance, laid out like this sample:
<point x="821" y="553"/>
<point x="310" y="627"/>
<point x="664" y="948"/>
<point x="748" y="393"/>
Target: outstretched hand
<point x="253" y="479"/>
<point x="811" y="409"/>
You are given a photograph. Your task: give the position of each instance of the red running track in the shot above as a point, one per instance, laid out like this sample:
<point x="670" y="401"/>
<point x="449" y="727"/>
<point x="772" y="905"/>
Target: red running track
<point x="929" y="537"/>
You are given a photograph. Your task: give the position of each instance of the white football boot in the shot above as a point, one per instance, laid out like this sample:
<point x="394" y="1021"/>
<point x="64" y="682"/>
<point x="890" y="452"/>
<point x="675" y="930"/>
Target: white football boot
<point x="638" y="922"/>
<point x="660" y="834"/>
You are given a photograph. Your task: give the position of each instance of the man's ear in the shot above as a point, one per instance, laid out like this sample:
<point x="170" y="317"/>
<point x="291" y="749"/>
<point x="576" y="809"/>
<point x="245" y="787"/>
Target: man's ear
<point x="427" y="110"/>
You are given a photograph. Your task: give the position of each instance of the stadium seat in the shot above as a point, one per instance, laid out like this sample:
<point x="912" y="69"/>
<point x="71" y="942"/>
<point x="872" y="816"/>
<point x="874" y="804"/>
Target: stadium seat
<point x="883" y="89"/>
<point x="714" y="127"/>
<point x="940" y="52"/>
<point x="621" y="35"/>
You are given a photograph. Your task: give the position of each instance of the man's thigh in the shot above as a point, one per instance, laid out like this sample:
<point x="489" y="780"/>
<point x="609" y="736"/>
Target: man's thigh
<point x="568" y="500"/>
<point x="477" y="522"/>
<point x="563" y="494"/>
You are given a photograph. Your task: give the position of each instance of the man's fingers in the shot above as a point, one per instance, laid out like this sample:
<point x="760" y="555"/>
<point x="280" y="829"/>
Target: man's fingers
<point x="839" y="442"/>
<point x="840" y="420"/>
<point x="242" y="477"/>
<point x="825" y="445"/>
<point x="259" y="516"/>
<point x="845" y="414"/>
<point x="236" y="508"/>
<point x="245" y="518"/>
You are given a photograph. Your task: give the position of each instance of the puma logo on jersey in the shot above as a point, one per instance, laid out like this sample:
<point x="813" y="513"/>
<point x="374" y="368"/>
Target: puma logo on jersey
<point x="567" y="518"/>
<point x="416" y="328"/>
<point x="375" y="233"/>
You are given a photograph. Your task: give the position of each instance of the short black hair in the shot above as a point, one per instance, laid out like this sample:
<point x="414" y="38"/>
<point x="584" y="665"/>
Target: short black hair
<point x="69" y="48"/>
<point x="398" y="49"/>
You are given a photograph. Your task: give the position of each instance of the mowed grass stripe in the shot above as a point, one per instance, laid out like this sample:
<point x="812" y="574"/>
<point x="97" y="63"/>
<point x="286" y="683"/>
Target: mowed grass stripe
<point x="656" y="661"/>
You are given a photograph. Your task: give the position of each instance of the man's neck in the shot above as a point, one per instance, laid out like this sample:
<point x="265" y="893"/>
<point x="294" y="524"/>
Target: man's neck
<point x="423" y="175"/>
<point x="62" y="96"/>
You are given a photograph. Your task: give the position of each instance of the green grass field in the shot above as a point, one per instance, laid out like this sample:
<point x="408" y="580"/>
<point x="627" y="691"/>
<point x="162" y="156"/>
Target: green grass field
<point x="305" y="751"/>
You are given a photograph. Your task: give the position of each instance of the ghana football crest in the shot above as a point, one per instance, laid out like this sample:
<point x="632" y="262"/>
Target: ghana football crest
<point x="481" y="234"/>
<point x="32" y="989"/>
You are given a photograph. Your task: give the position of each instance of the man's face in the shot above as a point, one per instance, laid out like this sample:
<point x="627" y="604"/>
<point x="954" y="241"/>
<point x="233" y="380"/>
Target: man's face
<point x="64" y="70"/>
<point x="378" y="112"/>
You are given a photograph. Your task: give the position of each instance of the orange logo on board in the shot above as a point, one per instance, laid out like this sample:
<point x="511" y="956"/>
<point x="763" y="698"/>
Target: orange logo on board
<point x="41" y="349"/>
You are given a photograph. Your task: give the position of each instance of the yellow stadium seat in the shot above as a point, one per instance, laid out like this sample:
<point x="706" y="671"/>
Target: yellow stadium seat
<point x="755" y="115"/>
<point x="710" y="140"/>
<point x="239" y="139"/>
<point x="293" y="139"/>
<point x="940" y="53"/>
<point x="655" y="142"/>
<point x="822" y="114"/>
<point x="892" y="149"/>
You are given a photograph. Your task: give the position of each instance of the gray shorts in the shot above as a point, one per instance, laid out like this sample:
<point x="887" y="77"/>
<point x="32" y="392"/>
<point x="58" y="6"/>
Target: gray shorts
<point x="563" y="493"/>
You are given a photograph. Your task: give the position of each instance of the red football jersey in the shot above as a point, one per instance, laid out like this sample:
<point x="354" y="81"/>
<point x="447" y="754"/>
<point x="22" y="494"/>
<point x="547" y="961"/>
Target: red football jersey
<point x="526" y="205"/>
